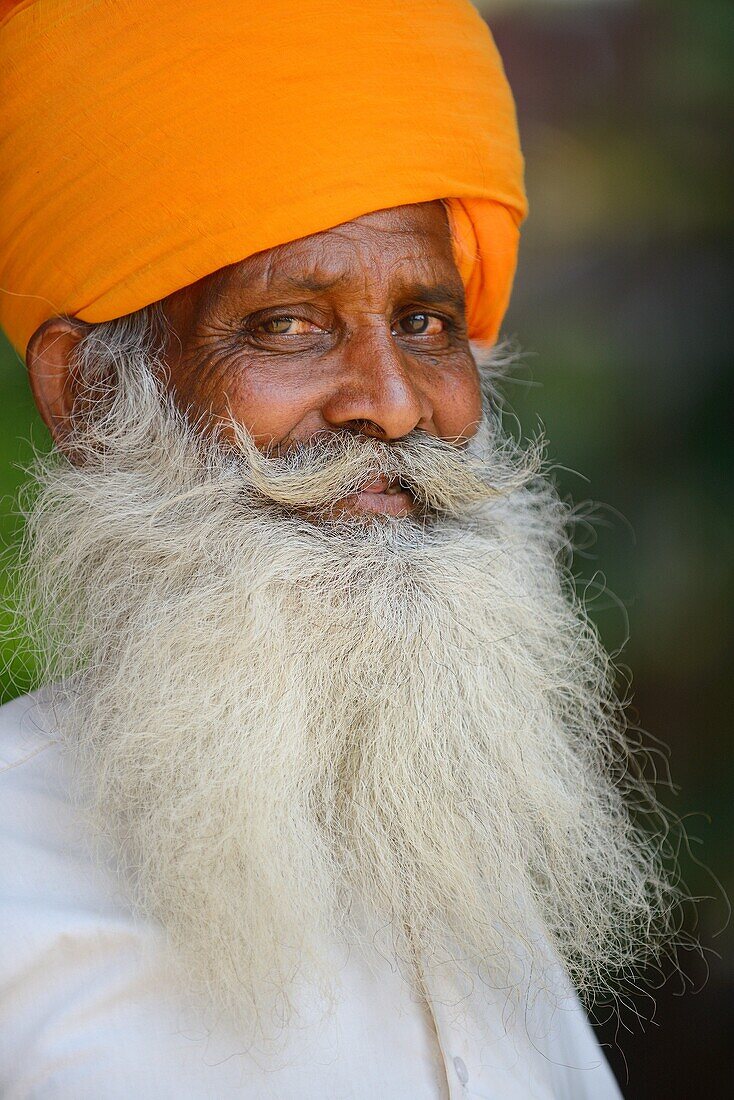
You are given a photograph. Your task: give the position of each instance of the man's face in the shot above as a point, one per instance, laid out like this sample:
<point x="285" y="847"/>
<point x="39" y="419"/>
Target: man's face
<point x="381" y="731"/>
<point x="360" y="328"/>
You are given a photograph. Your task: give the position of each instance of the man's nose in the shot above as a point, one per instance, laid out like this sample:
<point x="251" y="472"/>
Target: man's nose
<point x="378" y="392"/>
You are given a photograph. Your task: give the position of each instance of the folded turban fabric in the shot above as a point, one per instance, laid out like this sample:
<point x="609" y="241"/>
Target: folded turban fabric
<point x="146" y="143"/>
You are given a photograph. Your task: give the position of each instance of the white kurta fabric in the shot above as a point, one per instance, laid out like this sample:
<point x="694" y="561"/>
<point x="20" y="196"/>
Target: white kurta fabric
<point x="87" y="1011"/>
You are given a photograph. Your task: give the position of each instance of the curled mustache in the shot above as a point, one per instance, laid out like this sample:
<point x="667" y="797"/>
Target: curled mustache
<point x="444" y="478"/>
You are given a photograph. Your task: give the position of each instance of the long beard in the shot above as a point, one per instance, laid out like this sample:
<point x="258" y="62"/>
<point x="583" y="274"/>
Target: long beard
<point x="295" y="731"/>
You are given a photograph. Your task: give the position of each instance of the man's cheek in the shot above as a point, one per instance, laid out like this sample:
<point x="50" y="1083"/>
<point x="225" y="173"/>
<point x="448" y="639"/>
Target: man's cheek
<point x="273" y="418"/>
<point x="458" y="408"/>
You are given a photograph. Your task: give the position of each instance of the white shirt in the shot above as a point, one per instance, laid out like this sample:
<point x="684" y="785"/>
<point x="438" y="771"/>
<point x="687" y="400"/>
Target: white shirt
<point x="87" y="1012"/>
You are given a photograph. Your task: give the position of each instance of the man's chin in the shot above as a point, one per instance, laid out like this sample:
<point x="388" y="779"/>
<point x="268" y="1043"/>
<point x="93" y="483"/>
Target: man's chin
<point x="365" y="511"/>
<point x="396" y="504"/>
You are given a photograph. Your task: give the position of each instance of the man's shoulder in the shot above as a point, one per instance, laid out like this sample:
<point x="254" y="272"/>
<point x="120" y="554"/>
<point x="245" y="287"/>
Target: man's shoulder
<point x="31" y="768"/>
<point x="46" y="860"/>
<point x="39" y="823"/>
<point x="26" y="729"/>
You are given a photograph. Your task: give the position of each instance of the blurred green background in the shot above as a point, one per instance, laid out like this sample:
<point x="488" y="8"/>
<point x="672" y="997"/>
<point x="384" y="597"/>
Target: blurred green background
<point x="623" y="303"/>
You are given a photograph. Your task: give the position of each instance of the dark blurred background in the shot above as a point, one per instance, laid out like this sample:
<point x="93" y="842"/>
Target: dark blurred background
<point x="623" y="303"/>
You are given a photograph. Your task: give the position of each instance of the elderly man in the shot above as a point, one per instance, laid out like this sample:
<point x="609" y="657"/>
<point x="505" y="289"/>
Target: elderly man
<point x="324" y="794"/>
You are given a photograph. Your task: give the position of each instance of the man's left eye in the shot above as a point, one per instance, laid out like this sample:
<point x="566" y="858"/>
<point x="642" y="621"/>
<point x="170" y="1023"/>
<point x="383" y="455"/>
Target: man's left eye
<point x="421" y="324"/>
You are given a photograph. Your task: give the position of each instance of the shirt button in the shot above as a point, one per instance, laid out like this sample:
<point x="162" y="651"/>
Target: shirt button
<point x="461" y="1071"/>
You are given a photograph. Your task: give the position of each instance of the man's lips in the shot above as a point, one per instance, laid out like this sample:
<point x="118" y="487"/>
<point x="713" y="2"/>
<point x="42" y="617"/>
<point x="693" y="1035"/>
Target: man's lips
<point x="384" y="496"/>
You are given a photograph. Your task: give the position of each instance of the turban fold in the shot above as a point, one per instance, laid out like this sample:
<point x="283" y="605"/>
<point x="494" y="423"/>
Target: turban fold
<point x="146" y="143"/>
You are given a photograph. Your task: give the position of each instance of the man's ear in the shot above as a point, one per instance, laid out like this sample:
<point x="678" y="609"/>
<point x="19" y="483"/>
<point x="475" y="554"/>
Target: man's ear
<point x="50" y="358"/>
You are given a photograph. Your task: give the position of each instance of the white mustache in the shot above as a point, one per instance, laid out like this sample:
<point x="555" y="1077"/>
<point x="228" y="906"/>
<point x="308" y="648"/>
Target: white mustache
<point x="444" y="478"/>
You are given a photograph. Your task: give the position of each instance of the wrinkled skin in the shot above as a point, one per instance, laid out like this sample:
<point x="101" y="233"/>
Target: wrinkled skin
<point x="359" y="328"/>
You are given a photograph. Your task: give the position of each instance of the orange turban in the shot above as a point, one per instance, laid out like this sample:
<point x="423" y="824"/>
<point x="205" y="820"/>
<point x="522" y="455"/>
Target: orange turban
<point x="146" y="143"/>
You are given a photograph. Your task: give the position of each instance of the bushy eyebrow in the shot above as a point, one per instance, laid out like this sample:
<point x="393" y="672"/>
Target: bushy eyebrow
<point x="311" y="283"/>
<point x="436" y="294"/>
<point x="430" y="294"/>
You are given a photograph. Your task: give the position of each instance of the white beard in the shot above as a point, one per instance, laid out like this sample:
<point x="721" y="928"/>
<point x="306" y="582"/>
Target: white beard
<point x="295" y="732"/>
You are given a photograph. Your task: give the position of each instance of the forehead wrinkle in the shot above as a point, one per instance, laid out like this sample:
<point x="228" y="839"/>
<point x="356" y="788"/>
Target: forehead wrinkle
<point x="290" y="267"/>
<point x="318" y="264"/>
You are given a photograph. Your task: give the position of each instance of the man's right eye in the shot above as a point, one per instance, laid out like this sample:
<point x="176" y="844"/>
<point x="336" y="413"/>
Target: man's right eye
<point x="285" y="325"/>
